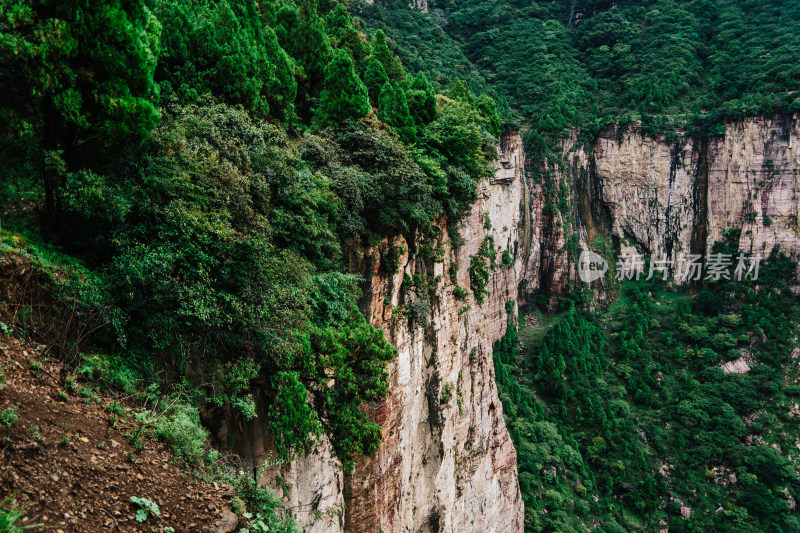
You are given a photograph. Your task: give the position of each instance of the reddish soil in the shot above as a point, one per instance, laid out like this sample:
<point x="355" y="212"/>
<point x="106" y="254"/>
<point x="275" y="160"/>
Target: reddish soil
<point x="75" y="473"/>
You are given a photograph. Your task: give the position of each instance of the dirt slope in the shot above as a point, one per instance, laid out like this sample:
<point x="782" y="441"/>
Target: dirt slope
<point x="72" y="470"/>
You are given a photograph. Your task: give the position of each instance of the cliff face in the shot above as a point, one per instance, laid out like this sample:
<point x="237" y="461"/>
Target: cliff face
<point x="678" y="197"/>
<point x="446" y="462"/>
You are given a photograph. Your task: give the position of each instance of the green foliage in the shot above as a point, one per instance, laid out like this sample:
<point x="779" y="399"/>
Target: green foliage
<point x="302" y="33"/>
<point x="99" y="62"/>
<point x="597" y="404"/>
<point x="221" y="48"/>
<point x="480" y="266"/>
<point x="12" y="517"/>
<point x="391" y="64"/>
<point x="344" y="96"/>
<point x="584" y="65"/>
<point x="291" y="419"/>
<point x="348" y="365"/>
<point x="262" y="505"/>
<point x="421" y="44"/>
<point x="146" y="508"/>
<point x="8" y="416"/>
<point x="344" y="35"/>
<point x="422" y="101"/>
<point x="76" y="77"/>
<point x="179" y="426"/>
<point x="375" y="79"/>
<point x="393" y="110"/>
<point x="506" y="260"/>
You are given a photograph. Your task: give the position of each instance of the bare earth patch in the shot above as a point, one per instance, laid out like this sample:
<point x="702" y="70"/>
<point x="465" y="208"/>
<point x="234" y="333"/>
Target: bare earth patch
<point x="72" y="470"/>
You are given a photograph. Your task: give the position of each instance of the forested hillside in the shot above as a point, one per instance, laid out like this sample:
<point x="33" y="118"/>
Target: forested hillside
<point x="188" y="177"/>
<point x="188" y="186"/>
<point x="587" y="64"/>
<point x="648" y="416"/>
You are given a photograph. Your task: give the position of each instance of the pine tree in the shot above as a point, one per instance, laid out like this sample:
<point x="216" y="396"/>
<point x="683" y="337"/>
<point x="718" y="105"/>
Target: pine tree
<point x="301" y="32"/>
<point x="402" y="120"/>
<point x="78" y="73"/>
<point x="282" y="87"/>
<point x="460" y="91"/>
<point x="222" y="48"/>
<point x="313" y="53"/>
<point x="391" y="64"/>
<point x="385" y="102"/>
<point x="344" y="35"/>
<point x="393" y="110"/>
<point x="375" y="78"/>
<point x="344" y="95"/>
<point x="422" y="100"/>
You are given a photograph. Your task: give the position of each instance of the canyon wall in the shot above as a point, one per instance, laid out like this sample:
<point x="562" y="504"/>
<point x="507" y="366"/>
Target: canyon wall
<point x="446" y="462"/>
<point x="672" y="197"/>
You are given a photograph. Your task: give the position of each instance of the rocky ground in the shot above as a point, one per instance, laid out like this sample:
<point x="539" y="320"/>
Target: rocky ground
<point x="66" y="459"/>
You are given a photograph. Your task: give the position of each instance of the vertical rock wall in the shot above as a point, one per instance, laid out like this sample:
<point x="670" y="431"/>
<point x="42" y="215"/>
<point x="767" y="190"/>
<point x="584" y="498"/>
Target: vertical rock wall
<point x="672" y="197"/>
<point x="446" y="462"/>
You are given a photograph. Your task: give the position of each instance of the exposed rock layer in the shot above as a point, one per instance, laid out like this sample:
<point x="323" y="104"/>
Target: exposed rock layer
<point x="446" y="463"/>
<point x="668" y="198"/>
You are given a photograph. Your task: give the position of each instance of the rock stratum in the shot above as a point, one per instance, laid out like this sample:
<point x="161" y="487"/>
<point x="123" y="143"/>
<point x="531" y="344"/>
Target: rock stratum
<point x="446" y="462"/>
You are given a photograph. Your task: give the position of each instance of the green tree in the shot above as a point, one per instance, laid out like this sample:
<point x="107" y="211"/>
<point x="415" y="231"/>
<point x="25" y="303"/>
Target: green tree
<point x="344" y="34"/>
<point x="212" y="47"/>
<point x="282" y="88"/>
<point x="391" y="64"/>
<point x="302" y="34"/>
<point x="79" y="75"/>
<point x="344" y="96"/>
<point x="393" y="110"/>
<point x="375" y="78"/>
<point x="422" y="100"/>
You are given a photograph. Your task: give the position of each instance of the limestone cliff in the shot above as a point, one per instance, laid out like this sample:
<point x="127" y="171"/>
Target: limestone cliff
<point x="446" y="462"/>
<point x="672" y="197"/>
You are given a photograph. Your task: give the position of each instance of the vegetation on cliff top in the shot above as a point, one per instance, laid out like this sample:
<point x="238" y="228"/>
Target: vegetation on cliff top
<point x="586" y="64"/>
<point x="204" y="164"/>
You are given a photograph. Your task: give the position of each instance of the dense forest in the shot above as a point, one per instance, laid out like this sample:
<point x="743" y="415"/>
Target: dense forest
<point x="587" y="64"/>
<point x="189" y="180"/>
<point x="190" y="175"/>
<point x="624" y="420"/>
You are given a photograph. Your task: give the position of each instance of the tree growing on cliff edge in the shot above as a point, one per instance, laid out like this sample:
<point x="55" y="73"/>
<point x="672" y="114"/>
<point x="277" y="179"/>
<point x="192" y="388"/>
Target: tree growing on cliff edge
<point x="77" y="75"/>
<point x="344" y="95"/>
<point x="393" y="110"/>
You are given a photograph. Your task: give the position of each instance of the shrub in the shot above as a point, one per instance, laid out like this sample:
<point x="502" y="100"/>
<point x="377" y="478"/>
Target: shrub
<point x="8" y="416"/>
